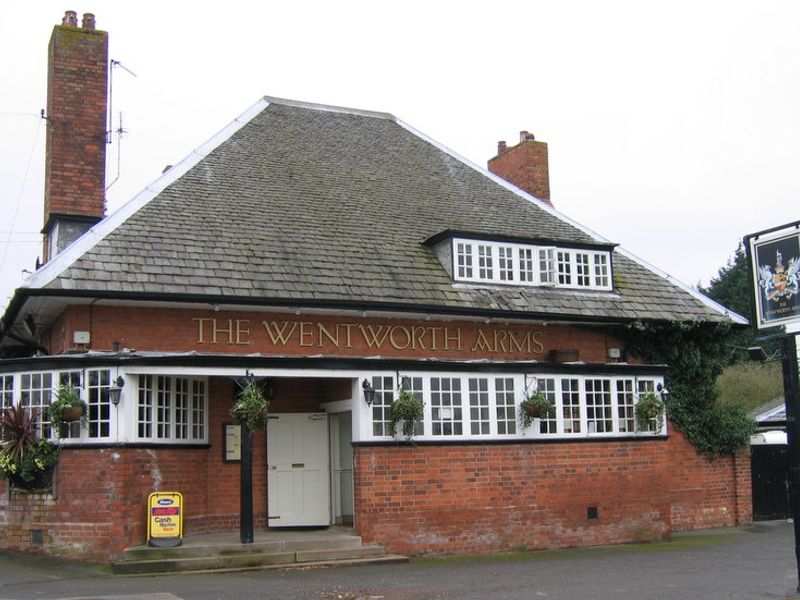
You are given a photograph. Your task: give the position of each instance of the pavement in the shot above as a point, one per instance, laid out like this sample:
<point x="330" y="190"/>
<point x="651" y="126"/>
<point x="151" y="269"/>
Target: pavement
<point x="754" y="562"/>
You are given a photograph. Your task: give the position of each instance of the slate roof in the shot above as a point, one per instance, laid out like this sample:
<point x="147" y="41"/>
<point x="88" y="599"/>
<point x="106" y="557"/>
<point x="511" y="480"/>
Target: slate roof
<point x="303" y="202"/>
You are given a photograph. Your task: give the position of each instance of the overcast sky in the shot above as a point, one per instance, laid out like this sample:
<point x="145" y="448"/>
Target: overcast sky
<point x="673" y="127"/>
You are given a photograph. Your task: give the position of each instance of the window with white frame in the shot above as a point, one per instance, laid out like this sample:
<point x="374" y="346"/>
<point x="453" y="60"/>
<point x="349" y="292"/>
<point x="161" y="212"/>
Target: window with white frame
<point x="564" y="264"/>
<point x="598" y="405"/>
<point x="547" y="266"/>
<point x="6" y="396"/>
<point x="480" y="406"/>
<point x="446" y="408"/>
<point x="479" y="416"/>
<point x="625" y="415"/>
<point x="582" y="270"/>
<point x="547" y="385"/>
<point x="36" y="391"/>
<point x="172" y="409"/>
<point x="505" y="263"/>
<point x="571" y="406"/>
<point x="601" y="278"/>
<point x="464" y="260"/>
<point x="485" y="262"/>
<point x="190" y="409"/>
<point x="506" y="405"/>
<point x="647" y="386"/>
<point x="527" y="264"/>
<point x="382" y="405"/>
<point x="414" y="386"/>
<point x="71" y="430"/>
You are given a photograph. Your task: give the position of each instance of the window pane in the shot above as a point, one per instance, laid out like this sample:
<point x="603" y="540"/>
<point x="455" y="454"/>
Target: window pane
<point x="598" y="406"/>
<point x="547" y="266"/>
<point x="485" y="266"/>
<point x="548" y="388"/>
<point x="446" y="407"/>
<point x="479" y="406"/>
<point x="564" y="268"/>
<point x="526" y="265"/>
<point x="571" y="405"/>
<point x="464" y="260"/>
<point x="582" y="269"/>
<point x="381" y="407"/>
<point x="625" y="415"/>
<point x="601" y="270"/>
<point x="506" y="406"/>
<point x="145" y="406"/>
<point x="505" y="263"/>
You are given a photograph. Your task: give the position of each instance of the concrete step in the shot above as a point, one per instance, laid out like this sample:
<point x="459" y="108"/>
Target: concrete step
<point x="232" y="548"/>
<point x="215" y="554"/>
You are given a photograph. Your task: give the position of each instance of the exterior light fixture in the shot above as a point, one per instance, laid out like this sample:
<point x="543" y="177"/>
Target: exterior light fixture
<point x="115" y="390"/>
<point x="664" y="393"/>
<point x="369" y="392"/>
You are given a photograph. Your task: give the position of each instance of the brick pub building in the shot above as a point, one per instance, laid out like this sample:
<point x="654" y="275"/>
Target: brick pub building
<point x="323" y="250"/>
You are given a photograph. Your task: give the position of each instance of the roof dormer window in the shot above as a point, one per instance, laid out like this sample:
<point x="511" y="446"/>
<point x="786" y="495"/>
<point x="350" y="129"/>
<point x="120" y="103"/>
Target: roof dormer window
<point x="481" y="261"/>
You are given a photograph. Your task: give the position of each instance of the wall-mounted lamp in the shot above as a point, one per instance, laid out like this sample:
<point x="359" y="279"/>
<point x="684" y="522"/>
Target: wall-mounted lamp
<point x="663" y="392"/>
<point x="115" y="390"/>
<point x="369" y="392"/>
<point x="269" y="389"/>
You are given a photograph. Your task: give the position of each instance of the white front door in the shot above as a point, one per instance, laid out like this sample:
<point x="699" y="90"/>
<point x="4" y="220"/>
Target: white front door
<point x="298" y="472"/>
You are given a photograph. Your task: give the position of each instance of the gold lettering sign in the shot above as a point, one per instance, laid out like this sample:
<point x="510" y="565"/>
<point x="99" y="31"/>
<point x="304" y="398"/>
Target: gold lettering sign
<point x="285" y="334"/>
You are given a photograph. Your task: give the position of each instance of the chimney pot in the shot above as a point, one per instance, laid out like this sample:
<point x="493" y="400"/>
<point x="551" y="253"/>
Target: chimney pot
<point x="501" y="146"/>
<point x="88" y="21"/>
<point x="70" y="18"/>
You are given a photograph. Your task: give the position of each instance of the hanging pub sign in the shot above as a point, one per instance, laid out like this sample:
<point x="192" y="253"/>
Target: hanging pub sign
<point x="164" y="519"/>
<point x="775" y="263"/>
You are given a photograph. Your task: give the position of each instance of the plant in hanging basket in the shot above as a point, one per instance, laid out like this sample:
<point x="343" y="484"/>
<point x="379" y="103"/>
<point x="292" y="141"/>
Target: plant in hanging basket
<point x="251" y="408"/>
<point x="649" y="413"/>
<point x="409" y="410"/>
<point x="535" y="406"/>
<point x="26" y="460"/>
<point x="67" y="406"/>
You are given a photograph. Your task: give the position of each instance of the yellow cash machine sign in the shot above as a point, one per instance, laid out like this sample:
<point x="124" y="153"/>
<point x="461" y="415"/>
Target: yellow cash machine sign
<point x="164" y="519"/>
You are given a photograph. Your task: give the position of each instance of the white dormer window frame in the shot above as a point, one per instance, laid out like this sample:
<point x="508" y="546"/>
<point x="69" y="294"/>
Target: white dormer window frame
<point x="511" y="263"/>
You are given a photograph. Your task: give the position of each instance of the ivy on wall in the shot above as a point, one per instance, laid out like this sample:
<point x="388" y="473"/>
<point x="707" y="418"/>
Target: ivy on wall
<point x="696" y="353"/>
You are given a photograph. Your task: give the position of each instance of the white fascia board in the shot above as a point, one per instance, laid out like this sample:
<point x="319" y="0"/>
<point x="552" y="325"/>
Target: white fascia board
<point x="88" y="240"/>
<point x="736" y="318"/>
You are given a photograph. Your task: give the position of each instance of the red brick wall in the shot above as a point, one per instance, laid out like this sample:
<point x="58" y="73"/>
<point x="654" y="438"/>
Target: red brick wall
<point x="98" y="505"/>
<point x="484" y="498"/>
<point x="178" y="330"/>
<point x="708" y="493"/>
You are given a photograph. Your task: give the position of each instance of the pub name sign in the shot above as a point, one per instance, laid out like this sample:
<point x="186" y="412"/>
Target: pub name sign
<point x="333" y="336"/>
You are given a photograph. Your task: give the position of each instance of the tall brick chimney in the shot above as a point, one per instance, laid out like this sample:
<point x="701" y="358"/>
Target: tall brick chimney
<point x="75" y="159"/>
<point x="525" y="165"/>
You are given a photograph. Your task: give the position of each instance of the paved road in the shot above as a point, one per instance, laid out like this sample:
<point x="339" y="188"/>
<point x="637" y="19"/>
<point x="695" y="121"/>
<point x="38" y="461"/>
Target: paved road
<point x="744" y="563"/>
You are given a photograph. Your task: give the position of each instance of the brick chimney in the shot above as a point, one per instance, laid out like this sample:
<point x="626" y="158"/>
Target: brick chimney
<point x="525" y="165"/>
<point x="75" y="160"/>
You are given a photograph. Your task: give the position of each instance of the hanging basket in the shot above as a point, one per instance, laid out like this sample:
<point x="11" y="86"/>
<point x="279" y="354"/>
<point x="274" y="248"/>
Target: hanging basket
<point x="71" y="414"/>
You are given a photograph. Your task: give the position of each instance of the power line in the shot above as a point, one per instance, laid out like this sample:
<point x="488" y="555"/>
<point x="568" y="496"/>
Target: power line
<point x="21" y="190"/>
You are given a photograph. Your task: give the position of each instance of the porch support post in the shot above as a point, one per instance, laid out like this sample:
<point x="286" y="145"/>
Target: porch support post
<point x="791" y="394"/>
<point x="246" y="488"/>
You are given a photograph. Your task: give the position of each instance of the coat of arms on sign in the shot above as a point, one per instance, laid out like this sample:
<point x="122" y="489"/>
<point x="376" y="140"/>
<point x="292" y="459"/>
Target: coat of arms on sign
<point x="779" y="282"/>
